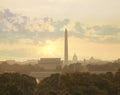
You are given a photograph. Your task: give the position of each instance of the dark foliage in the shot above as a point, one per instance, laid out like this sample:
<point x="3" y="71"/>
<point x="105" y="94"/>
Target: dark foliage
<point x="61" y="84"/>
<point x="81" y="84"/>
<point x="16" y="84"/>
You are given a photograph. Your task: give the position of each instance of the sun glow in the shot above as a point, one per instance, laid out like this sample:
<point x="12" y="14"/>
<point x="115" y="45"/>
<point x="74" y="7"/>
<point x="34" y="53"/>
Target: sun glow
<point x="49" y="50"/>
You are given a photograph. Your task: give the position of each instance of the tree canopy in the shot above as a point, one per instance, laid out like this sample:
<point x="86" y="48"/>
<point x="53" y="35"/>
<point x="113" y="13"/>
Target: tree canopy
<point x="80" y="84"/>
<point x="76" y="83"/>
<point x="16" y="84"/>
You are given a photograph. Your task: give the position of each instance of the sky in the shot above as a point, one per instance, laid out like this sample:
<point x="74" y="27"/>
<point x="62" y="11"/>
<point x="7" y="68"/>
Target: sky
<point x="32" y="29"/>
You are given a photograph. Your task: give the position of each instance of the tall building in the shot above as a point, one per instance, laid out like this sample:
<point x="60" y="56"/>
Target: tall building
<point x="66" y="48"/>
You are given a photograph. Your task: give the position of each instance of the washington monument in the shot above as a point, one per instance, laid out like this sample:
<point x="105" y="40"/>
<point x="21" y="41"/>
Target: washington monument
<point x="66" y="48"/>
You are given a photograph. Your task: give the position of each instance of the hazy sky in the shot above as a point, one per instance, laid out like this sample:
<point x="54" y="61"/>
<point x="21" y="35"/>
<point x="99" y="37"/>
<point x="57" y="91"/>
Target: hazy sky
<point x="35" y="28"/>
<point x="77" y="9"/>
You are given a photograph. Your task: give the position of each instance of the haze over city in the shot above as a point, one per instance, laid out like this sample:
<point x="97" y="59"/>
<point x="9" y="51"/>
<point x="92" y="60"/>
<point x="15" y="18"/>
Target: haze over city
<point x="31" y="29"/>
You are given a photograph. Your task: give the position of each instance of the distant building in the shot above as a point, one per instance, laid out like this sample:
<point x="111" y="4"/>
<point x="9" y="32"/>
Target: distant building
<point x="75" y="59"/>
<point x="50" y="63"/>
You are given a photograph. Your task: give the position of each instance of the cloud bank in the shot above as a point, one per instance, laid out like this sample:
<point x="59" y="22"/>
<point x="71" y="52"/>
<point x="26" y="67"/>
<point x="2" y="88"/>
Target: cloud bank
<point x="23" y="36"/>
<point x="16" y="26"/>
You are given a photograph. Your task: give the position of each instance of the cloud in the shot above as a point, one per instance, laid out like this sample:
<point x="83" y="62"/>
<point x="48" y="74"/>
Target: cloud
<point x="106" y="30"/>
<point x="105" y="33"/>
<point x="6" y="21"/>
<point x="15" y="26"/>
<point x="70" y="26"/>
<point x="9" y="26"/>
<point x="79" y="27"/>
<point x="39" y="25"/>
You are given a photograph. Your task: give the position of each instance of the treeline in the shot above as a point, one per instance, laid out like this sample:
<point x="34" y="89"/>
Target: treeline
<point x="61" y="84"/>
<point x="81" y="84"/>
<point x="96" y="68"/>
<point x="75" y="67"/>
<point x="23" y="69"/>
<point x="110" y="66"/>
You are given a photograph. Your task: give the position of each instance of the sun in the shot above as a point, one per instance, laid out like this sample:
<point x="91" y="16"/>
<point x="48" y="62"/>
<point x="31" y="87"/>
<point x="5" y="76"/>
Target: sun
<point x="49" y="50"/>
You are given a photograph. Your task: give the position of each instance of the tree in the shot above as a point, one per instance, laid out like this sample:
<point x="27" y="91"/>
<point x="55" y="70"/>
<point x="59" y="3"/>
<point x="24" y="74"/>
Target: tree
<point x="16" y="84"/>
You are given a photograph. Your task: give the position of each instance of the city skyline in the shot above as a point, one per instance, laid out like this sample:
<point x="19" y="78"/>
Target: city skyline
<point x="35" y="29"/>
